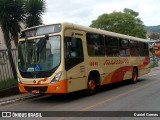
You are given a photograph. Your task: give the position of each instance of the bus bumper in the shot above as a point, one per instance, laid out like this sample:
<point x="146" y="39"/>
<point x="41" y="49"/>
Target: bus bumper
<point x="58" y="87"/>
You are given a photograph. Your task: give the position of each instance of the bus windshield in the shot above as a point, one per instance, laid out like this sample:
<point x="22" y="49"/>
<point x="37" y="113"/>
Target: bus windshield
<point x="42" y="54"/>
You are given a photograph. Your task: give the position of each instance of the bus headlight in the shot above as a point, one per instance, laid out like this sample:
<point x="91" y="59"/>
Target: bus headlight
<point x="57" y="77"/>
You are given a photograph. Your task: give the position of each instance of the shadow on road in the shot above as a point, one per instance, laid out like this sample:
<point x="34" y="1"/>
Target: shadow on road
<point x="118" y="85"/>
<point x="64" y="98"/>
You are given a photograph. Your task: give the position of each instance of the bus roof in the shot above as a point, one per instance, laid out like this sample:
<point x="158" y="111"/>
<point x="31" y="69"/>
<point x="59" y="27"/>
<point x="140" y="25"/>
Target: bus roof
<point x="103" y="32"/>
<point x="92" y="30"/>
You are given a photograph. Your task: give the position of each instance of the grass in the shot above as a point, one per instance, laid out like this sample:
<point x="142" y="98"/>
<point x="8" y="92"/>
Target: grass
<point x="153" y="63"/>
<point x="5" y="84"/>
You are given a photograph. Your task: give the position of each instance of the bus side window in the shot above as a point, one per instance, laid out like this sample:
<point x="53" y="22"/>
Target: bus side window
<point x="134" y="48"/>
<point x="112" y="46"/>
<point x="124" y="47"/>
<point x="73" y="52"/>
<point x="143" y="49"/>
<point x="73" y="47"/>
<point x="95" y="44"/>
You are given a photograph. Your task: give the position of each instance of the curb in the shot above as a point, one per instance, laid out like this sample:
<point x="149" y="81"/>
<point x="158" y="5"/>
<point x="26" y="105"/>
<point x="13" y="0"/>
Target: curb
<point x="155" y="68"/>
<point x="19" y="97"/>
<point x="9" y="91"/>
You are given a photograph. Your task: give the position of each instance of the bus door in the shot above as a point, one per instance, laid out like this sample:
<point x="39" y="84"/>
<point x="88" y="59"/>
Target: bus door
<point x="74" y="60"/>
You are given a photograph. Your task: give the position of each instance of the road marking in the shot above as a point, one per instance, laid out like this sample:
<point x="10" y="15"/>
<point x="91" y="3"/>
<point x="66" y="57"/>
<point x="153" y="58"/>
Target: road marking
<point x="118" y="96"/>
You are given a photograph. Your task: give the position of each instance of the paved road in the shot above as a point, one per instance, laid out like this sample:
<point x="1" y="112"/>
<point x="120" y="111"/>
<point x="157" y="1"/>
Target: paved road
<point x="143" y="96"/>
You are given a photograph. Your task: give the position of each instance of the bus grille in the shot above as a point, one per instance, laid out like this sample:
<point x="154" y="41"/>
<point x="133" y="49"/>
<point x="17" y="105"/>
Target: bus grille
<point x="40" y="88"/>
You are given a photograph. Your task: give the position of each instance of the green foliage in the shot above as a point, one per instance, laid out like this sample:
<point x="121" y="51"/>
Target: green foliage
<point x="125" y="22"/>
<point x="131" y="12"/>
<point x="153" y="64"/>
<point x="11" y="14"/>
<point x="14" y="12"/>
<point x="34" y="12"/>
<point x="4" y="84"/>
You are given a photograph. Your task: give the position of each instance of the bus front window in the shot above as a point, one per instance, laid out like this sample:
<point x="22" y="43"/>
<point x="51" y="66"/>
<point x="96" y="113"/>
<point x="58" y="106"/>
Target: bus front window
<point x="39" y="54"/>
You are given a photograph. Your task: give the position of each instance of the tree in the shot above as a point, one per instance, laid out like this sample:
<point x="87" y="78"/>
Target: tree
<point x="12" y="13"/>
<point x="131" y="12"/>
<point x="125" y="22"/>
<point x="34" y="12"/>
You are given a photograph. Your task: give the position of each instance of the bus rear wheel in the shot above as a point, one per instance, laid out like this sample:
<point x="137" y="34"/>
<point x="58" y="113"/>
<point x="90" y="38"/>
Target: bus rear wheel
<point x="91" y="86"/>
<point x="134" y="76"/>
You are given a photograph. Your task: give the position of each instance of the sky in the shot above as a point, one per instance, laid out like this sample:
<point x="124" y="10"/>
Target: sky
<point x="84" y="11"/>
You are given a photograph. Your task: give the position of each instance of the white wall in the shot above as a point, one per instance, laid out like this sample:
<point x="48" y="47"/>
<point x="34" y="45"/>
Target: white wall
<point x="2" y="43"/>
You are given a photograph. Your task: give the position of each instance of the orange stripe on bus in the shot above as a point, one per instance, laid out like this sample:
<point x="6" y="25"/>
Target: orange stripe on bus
<point x="144" y="63"/>
<point x="118" y="74"/>
<point x="41" y="80"/>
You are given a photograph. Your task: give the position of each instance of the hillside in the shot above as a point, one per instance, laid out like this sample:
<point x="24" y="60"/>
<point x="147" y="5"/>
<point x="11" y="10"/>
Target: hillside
<point x="152" y="28"/>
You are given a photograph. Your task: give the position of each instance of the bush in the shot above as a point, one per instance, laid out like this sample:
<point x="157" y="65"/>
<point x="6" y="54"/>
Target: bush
<point x="10" y="83"/>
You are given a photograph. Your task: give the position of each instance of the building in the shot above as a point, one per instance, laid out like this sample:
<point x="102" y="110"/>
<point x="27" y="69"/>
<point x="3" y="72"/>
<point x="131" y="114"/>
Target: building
<point x="157" y="49"/>
<point x="5" y="67"/>
<point x="2" y="42"/>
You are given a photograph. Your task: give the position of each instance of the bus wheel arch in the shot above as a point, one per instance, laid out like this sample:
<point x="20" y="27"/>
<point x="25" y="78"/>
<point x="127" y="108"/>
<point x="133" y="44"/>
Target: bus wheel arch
<point x="93" y="82"/>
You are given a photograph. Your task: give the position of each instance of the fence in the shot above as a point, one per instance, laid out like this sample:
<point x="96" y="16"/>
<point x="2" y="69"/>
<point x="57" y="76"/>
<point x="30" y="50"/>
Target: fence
<point x="6" y="74"/>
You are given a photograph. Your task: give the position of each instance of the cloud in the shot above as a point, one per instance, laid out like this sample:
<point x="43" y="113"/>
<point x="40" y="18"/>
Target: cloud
<point x="72" y="11"/>
<point x="84" y="11"/>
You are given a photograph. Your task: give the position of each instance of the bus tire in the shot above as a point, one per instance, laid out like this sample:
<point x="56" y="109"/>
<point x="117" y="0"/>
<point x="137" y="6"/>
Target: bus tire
<point x="91" y="85"/>
<point x="134" y="76"/>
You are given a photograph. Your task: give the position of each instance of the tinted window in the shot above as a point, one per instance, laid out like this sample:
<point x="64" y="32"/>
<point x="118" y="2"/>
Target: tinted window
<point x="134" y="48"/>
<point x="112" y="46"/>
<point x="143" y="49"/>
<point x="124" y="47"/>
<point x="73" y="52"/>
<point x="95" y="44"/>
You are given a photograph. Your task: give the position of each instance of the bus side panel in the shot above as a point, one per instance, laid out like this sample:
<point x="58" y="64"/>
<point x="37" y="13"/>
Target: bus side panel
<point x="127" y="75"/>
<point x="76" y="79"/>
<point x="144" y="66"/>
<point x="132" y="62"/>
<point x="113" y="69"/>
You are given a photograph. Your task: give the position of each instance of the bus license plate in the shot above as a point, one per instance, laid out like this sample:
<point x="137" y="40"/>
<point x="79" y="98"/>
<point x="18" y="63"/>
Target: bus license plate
<point x="35" y="91"/>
